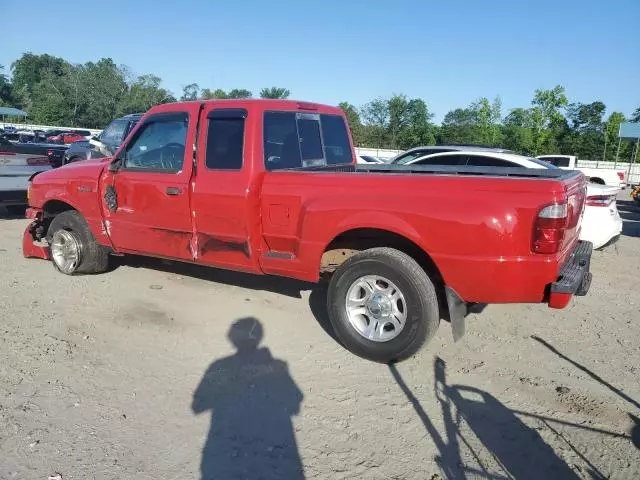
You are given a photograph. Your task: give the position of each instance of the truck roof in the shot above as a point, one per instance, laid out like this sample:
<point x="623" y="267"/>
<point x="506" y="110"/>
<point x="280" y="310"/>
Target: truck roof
<point x="261" y="104"/>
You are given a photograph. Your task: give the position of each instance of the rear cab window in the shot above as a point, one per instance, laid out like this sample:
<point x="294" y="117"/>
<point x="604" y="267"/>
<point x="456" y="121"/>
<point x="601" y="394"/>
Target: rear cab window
<point x="297" y="139"/>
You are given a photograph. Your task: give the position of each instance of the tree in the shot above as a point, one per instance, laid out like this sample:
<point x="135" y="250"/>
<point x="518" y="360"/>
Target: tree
<point x="544" y="113"/>
<point x="239" y="93"/>
<point x="143" y="94"/>
<point x="635" y="116"/>
<point x="208" y="94"/>
<point x="397" y="122"/>
<point x="274" y="92"/>
<point x="5" y="88"/>
<point x="488" y="116"/>
<point x="190" y="92"/>
<point x="517" y="133"/>
<point x="30" y="69"/>
<point x="612" y="127"/>
<point x="355" y="124"/>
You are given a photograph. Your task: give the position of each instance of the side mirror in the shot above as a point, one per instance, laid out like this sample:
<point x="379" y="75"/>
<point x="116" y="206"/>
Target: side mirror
<point x="115" y="165"/>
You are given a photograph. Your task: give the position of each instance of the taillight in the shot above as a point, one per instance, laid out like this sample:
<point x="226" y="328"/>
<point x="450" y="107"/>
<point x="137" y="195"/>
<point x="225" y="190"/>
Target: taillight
<point x="600" y="200"/>
<point x="549" y="228"/>
<point x="37" y="161"/>
<point x="621" y="176"/>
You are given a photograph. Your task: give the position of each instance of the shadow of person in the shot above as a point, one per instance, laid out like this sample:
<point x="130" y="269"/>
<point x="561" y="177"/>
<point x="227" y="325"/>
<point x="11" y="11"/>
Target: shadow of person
<point x="252" y="398"/>
<point x="518" y="450"/>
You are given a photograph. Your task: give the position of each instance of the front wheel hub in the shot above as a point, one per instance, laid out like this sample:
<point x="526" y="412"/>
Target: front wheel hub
<point x="65" y="251"/>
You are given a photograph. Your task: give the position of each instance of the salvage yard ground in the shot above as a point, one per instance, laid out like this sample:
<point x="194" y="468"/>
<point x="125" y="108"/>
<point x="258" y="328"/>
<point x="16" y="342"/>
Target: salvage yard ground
<point x="101" y="377"/>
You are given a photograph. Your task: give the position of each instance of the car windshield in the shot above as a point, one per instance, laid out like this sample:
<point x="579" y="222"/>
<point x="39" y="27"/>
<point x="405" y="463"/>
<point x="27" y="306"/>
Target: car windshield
<point x="408" y="157"/>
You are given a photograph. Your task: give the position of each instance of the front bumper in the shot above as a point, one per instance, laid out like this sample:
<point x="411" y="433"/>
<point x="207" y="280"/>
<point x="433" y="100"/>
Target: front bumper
<point x="575" y="277"/>
<point x="32" y="246"/>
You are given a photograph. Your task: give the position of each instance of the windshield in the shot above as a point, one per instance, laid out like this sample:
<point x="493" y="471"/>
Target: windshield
<point x="406" y="158"/>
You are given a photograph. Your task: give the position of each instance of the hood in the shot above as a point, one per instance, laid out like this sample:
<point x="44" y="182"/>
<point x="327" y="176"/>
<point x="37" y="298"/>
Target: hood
<point x="84" y="170"/>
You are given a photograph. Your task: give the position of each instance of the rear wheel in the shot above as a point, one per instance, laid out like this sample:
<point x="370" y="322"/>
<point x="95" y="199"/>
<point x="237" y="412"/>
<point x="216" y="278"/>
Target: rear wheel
<point x="73" y="247"/>
<point x="382" y="305"/>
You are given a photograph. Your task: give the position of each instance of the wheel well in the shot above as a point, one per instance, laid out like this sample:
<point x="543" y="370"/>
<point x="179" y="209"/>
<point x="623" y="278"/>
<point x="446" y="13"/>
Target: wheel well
<point x="54" y="207"/>
<point x="597" y="180"/>
<point x="353" y="241"/>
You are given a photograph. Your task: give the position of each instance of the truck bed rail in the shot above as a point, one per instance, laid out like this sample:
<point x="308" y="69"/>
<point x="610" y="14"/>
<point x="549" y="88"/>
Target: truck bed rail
<point x="520" y="172"/>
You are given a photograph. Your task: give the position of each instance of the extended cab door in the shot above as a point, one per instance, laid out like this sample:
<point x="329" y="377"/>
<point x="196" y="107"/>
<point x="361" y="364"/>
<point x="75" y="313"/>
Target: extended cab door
<point x="146" y="201"/>
<point x="225" y="197"/>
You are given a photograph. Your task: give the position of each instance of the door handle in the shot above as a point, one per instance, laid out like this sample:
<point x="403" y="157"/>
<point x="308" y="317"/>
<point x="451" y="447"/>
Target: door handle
<point x="173" y="191"/>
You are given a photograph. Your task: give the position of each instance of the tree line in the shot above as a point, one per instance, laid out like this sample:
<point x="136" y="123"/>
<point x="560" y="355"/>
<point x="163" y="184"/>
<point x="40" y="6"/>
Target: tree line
<point x="56" y="92"/>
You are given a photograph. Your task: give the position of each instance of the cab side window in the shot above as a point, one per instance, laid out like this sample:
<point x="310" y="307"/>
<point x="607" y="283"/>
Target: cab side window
<point x="225" y="139"/>
<point x="159" y="145"/>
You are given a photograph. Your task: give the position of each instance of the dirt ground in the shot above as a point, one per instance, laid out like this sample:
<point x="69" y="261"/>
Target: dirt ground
<point x="148" y="372"/>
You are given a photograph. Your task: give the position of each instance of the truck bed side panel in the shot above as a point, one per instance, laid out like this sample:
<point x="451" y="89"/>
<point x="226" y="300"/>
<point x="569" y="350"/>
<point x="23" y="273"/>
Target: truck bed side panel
<point x="477" y="230"/>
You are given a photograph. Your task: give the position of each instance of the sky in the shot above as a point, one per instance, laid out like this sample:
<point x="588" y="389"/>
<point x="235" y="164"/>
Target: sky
<point x="449" y="53"/>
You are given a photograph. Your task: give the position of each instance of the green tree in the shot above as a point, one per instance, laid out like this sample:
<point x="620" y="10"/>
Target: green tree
<point x="5" y="88"/>
<point x="635" y="116"/>
<point x="355" y="124"/>
<point x="545" y="112"/>
<point x="488" y="115"/>
<point x="239" y="93"/>
<point x="612" y="127"/>
<point x="143" y="94"/>
<point x="190" y="92"/>
<point x="218" y="93"/>
<point x="517" y="132"/>
<point x="275" y="92"/>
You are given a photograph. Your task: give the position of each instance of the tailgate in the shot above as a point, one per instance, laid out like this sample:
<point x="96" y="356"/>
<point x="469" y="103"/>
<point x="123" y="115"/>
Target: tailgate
<point x="576" y="192"/>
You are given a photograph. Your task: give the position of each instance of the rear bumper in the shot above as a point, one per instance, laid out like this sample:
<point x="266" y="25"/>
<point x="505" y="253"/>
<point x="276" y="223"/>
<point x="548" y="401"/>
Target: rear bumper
<point x="574" y="278"/>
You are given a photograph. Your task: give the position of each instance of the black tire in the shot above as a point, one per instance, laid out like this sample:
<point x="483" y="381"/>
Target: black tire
<point x="423" y="316"/>
<point x="94" y="258"/>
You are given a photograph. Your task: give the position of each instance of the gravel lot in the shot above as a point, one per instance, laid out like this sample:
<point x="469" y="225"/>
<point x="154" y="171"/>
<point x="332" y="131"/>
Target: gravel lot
<point x="132" y="375"/>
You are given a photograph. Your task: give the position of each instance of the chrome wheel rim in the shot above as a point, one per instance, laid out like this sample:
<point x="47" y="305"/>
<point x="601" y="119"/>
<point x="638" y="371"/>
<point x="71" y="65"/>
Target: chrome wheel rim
<point x="376" y="308"/>
<point x="65" y="251"/>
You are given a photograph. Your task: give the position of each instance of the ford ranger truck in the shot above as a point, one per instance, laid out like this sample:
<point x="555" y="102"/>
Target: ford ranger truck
<point x="271" y="187"/>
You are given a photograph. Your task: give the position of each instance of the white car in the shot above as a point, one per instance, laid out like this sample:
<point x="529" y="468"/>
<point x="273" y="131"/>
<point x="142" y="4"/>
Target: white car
<point x="603" y="176"/>
<point x="601" y="221"/>
<point x="367" y="159"/>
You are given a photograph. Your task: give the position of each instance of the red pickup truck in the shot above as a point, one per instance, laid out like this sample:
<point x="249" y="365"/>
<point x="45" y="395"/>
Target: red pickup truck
<point x="271" y="187"/>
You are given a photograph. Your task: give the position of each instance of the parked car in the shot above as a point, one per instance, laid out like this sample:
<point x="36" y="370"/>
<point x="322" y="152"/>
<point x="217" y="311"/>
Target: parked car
<point x="105" y="144"/>
<point x="368" y="159"/>
<point x="601" y="221"/>
<point x="18" y="161"/>
<point x="284" y="196"/>
<point x="603" y="176"/>
<point x="413" y="153"/>
<point x="69" y="136"/>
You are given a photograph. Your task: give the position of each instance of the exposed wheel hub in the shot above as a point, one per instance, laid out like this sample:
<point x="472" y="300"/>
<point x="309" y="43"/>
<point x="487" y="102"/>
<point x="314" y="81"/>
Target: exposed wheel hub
<point x="65" y="251"/>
